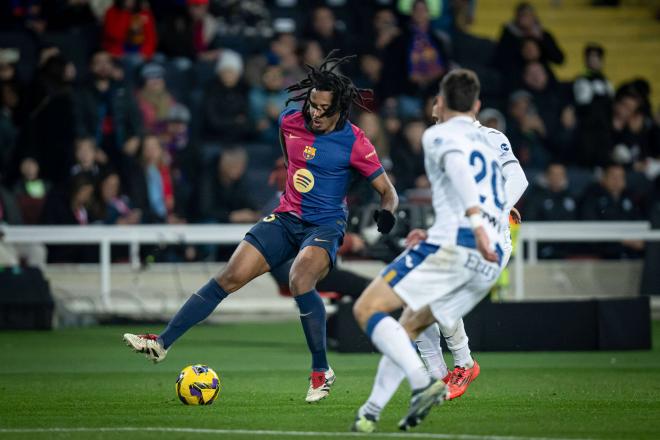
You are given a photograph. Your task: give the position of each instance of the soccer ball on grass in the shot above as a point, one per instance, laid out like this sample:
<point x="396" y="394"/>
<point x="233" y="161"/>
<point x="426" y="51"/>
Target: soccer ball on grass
<point x="197" y="385"/>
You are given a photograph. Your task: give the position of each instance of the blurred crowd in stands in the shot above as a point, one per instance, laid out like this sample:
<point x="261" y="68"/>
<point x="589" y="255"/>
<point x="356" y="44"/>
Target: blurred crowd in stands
<point x="165" y="111"/>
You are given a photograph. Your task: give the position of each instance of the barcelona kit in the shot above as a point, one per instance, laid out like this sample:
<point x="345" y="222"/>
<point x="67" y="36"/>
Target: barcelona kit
<point x="312" y="209"/>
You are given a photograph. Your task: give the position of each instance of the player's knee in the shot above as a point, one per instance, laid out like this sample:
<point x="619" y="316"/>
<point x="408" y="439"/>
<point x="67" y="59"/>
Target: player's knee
<point x="230" y="280"/>
<point x="362" y="311"/>
<point x="300" y="282"/>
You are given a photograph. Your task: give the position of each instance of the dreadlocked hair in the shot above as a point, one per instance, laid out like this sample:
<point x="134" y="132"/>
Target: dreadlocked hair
<point x="325" y="78"/>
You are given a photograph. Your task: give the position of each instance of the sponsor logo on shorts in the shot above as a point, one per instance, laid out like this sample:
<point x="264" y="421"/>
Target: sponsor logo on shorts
<point x="477" y="264"/>
<point x="303" y="180"/>
<point x="322" y="240"/>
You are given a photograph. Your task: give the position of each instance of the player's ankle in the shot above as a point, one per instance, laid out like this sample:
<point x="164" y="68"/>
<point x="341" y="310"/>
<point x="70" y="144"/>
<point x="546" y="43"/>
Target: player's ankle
<point x="469" y="363"/>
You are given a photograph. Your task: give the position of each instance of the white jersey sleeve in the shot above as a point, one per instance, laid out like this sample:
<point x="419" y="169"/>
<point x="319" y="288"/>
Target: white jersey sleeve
<point x="437" y="144"/>
<point x="515" y="180"/>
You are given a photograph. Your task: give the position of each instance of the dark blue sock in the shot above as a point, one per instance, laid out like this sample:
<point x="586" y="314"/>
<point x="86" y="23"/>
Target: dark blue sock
<point x="199" y="306"/>
<point x="312" y="317"/>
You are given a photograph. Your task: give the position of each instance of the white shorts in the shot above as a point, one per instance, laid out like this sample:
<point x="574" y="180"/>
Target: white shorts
<point x="450" y="279"/>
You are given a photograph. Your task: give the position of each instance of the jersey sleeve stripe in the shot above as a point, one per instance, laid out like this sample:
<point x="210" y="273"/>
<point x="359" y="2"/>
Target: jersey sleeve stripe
<point x="442" y="157"/>
<point x="376" y="173"/>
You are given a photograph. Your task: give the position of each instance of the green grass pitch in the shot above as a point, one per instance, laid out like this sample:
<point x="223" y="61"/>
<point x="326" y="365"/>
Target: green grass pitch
<point x="85" y="384"/>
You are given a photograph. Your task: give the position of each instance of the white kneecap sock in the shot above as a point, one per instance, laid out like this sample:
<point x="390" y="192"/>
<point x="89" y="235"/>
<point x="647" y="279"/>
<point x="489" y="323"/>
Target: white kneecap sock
<point x="388" y="379"/>
<point x="392" y="340"/>
<point x="428" y="344"/>
<point x="457" y="342"/>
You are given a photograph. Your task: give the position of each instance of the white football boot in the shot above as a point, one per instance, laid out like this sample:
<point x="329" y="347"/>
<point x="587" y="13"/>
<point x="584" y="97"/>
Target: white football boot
<point x="146" y="344"/>
<point x="319" y="385"/>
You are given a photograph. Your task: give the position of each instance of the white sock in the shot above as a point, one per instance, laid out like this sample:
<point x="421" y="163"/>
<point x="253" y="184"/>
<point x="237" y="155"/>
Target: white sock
<point x="457" y="342"/>
<point x="428" y="344"/>
<point x="392" y="340"/>
<point x="388" y="379"/>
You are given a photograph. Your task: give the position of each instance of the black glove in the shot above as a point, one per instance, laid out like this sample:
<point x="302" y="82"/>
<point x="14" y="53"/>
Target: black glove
<point x="385" y="220"/>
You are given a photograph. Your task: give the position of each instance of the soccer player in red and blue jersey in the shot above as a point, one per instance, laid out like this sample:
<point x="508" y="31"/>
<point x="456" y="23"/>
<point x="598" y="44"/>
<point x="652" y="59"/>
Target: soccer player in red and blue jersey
<point x="321" y="149"/>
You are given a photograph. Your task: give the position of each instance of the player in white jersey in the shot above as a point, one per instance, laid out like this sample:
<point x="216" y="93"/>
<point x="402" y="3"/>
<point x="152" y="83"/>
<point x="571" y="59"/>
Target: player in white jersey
<point x="442" y="278"/>
<point x="466" y="369"/>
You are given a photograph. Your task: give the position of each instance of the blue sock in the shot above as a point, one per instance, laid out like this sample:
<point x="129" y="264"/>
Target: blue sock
<point x="312" y="317"/>
<point x="199" y="306"/>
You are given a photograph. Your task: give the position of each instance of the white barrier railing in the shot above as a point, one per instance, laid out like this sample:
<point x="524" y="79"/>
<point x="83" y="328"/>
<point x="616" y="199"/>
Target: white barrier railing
<point x="134" y="236"/>
<point x="534" y="232"/>
<point x="105" y="236"/>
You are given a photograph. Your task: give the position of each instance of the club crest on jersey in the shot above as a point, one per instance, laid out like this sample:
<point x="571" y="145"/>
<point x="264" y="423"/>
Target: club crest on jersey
<point x="309" y="152"/>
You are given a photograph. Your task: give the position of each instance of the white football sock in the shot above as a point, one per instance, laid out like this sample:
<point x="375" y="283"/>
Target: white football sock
<point x="392" y="340"/>
<point x="428" y="344"/>
<point x="457" y="342"/>
<point x="388" y="379"/>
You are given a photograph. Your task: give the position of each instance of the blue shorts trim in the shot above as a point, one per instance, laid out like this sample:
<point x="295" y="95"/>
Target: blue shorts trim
<point x="407" y="261"/>
<point x="465" y="238"/>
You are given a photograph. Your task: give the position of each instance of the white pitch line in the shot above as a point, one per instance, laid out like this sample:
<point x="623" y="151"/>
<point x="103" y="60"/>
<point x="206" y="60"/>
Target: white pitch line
<point x="257" y="432"/>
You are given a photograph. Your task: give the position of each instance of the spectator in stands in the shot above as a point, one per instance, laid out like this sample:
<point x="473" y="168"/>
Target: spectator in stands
<point x="384" y="29"/>
<point x="49" y="132"/>
<point x="283" y="51"/>
<point x="154" y="100"/>
<point x="129" y="29"/>
<point x="224" y="197"/>
<point x="310" y="53"/>
<point x="609" y="200"/>
<point x="414" y="61"/>
<point x="9" y="214"/>
<point x="554" y="108"/>
<point x="151" y="186"/>
<point x="242" y="20"/>
<point x="106" y="111"/>
<point x="526" y="131"/>
<point x="370" y="72"/>
<point x="70" y="207"/>
<point x="31" y="191"/>
<point x="112" y="206"/>
<point x="176" y="137"/>
<point x="635" y="135"/>
<point x="408" y="157"/>
<point x="9" y="211"/>
<point x="373" y="129"/>
<point x="89" y="159"/>
<point x="8" y="131"/>
<point x="594" y="96"/>
<point x="266" y="104"/>
<point x="551" y="200"/>
<point x="514" y="45"/>
<point x="13" y="108"/>
<point x="325" y="29"/>
<point x="191" y="33"/>
<point x="492" y="118"/>
<point x="225" y="106"/>
<point x="23" y="14"/>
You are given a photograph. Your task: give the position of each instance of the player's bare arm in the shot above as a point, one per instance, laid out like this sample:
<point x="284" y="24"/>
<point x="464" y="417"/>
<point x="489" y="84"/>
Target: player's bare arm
<point x="389" y="201"/>
<point x="480" y="235"/>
